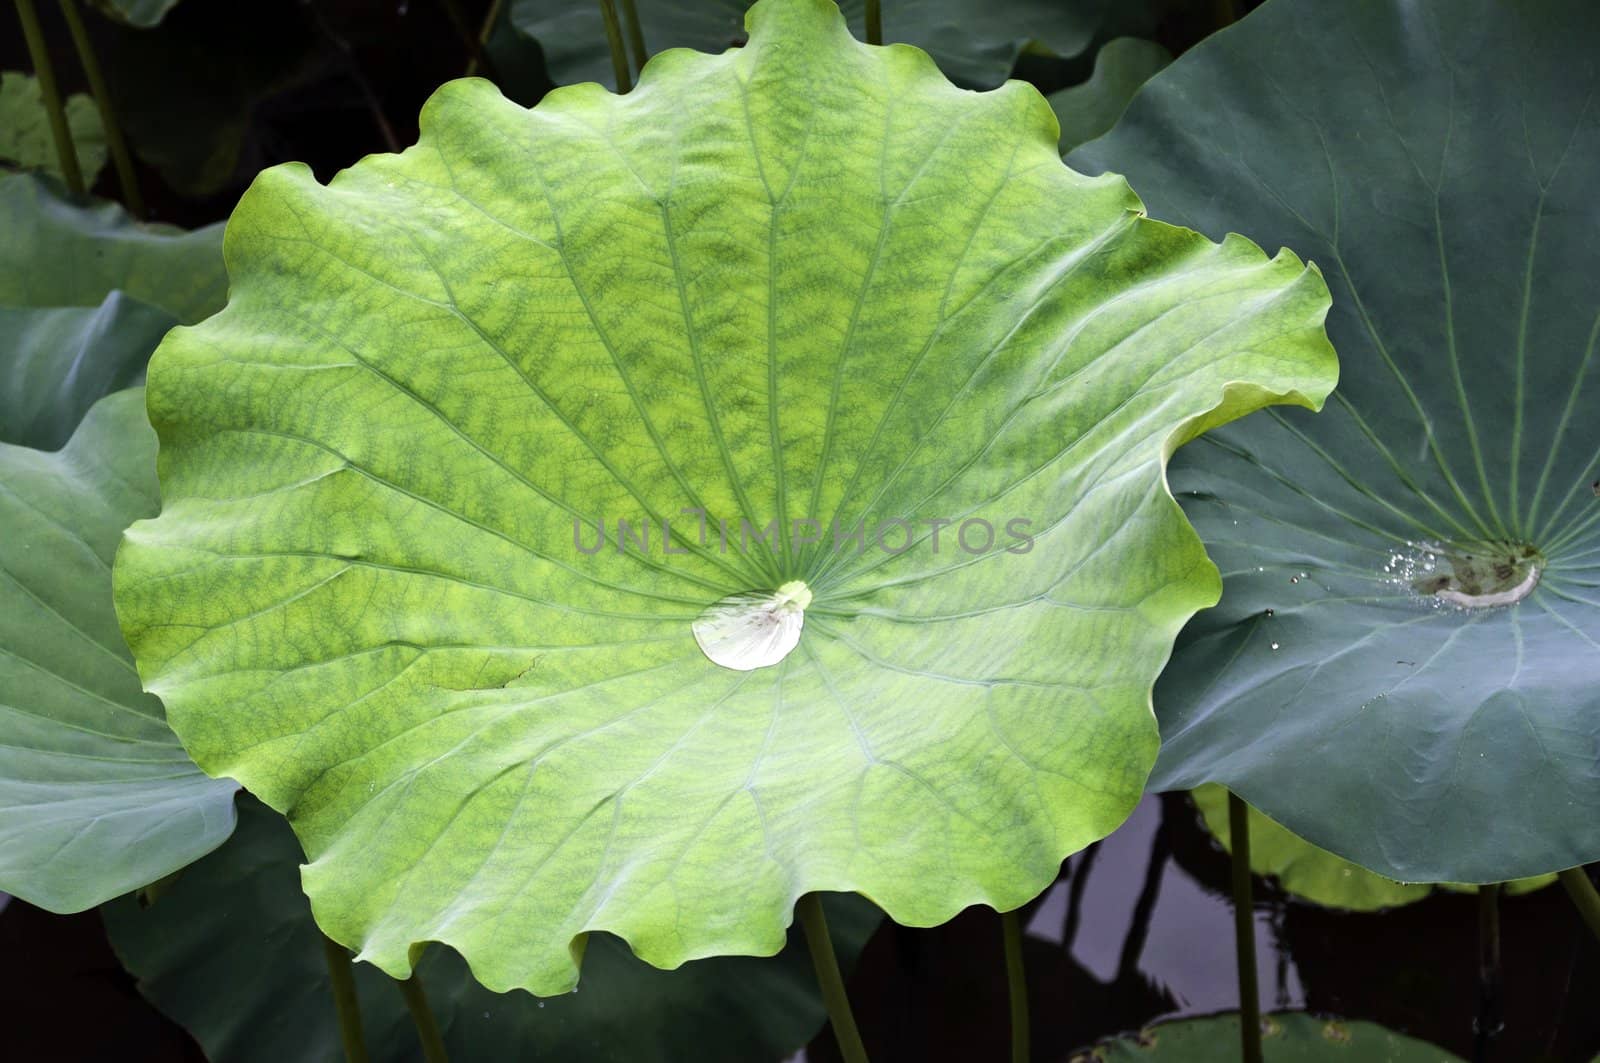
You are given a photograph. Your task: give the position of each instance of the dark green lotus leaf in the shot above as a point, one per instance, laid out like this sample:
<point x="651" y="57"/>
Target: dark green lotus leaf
<point x="25" y="139"/>
<point x="96" y="796"/>
<point x="802" y="280"/>
<point x="1287" y="1037"/>
<point x="1085" y="111"/>
<point x="57" y="253"/>
<point x="56" y="363"/>
<point x="975" y="42"/>
<point x="188" y="93"/>
<point x="1314" y="874"/>
<point x="231" y="952"/>
<point x="1358" y="683"/>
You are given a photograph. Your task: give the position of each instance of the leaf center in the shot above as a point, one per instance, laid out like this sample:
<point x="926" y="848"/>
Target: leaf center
<point x="1480" y="576"/>
<point x="754" y="629"/>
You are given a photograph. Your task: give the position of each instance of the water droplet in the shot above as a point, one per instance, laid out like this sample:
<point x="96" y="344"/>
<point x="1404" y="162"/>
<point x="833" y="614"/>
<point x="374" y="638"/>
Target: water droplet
<point x="755" y="629"/>
<point x="1274" y="645"/>
<point x="1471" y="576"/>
<point x="541" y="1003"/>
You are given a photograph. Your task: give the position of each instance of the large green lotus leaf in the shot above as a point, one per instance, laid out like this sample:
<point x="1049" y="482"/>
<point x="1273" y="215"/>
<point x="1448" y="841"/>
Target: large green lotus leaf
<point x="96" y="796"/>
<point x="1287" y="1037"/>
<point x="56" y="362"/>
<point x="1315" y="874"/>
<point x="230" y="951"/>
<point x="807" y="279"/>
<point x="57" y="253"/>
<point x="1122" y="65"/>
<point x="1343" y="687"/>
<point x="25" y="138"/>
<point x="975" y="42"/>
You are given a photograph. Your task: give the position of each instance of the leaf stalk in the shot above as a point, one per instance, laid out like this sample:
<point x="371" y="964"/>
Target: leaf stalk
<point x="120" y="158"/>
<point x="345" y="1004"/>
<point x="1584" y="896"/>
<point x="829" y="980"/>
<point x="1017" y="984"/>
<point x="416" y="998"/>
<point x="630" y="22"/>
<point x="39" y="54"/>
<point x="619" y="54"/>
<point x="1244" y="931"/>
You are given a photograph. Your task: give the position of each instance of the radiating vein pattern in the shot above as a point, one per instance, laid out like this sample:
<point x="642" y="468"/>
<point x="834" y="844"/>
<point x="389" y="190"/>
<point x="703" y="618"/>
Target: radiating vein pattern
<point x="1439" y="160"/>
<point x="803" y="281"/>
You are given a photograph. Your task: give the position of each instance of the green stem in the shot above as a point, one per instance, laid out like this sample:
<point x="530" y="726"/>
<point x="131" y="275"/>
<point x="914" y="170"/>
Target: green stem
<point x="619" y="54"/>
<point x="472" y="42"/>
<point x="344" y="1000"/>
<point x="1583" y="895"/>
<point x="630" y="20"/>
<point x="815" y="924"/>
<point x="1244" y="931"/>
<point x="34" y="35"/>
<point x="489" y="22"/>
<point x="422" y="1017"/>
<point x="1017" y="982"/>
<point x="1488" y="1022"/>
<point x="120" y="158"/>
<point x="874" y="22"/>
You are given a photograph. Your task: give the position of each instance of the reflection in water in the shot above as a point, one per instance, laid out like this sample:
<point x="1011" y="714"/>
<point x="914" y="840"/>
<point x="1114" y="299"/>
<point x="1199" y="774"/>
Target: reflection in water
<point x="1165" y="933"/>
<point x="1139" y="928"/>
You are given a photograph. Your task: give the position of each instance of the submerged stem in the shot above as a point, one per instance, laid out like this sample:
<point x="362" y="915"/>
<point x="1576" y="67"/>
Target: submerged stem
<point x="874" y="22"/>
<point x="479" y="55"/>
<point x="1244" y="931"/>
<point x="422" y="1018"/>
<point x="345" y="1004"/>
<point x="1584" y="896"/>
<point x="1487" y="1022"/>
<point x="619" y="54"/>
<point x="102" y="101"/>
<point x="1017" y="982"/>
<point x="831" y="982"/>
<point x="50" y="95"/>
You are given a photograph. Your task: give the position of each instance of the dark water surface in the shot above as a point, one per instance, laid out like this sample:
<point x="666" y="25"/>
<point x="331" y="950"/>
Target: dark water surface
<point x="1137" y="928"/>
<point x="1140" y="928"/>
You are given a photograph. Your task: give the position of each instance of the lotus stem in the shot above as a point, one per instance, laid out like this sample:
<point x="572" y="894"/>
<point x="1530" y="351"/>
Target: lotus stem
<point x="1244" y="931"/>
<point x="1017" y="982"/>
<point x="422" y="1018"/>
<point x="33" y="34"/>
<point x="490" y="19"/>
<point x="1584" y="896"/>
<point x="630" y="21"/>
<point x="874" y="22"/>
<point x="619" y="54"/>
<point x="831" y="982"/>
<point x="1487" y="1022"/>
<point x="345" y="1004"/>
<point x="472" y="42"/>
<point x="120" y="158"/>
